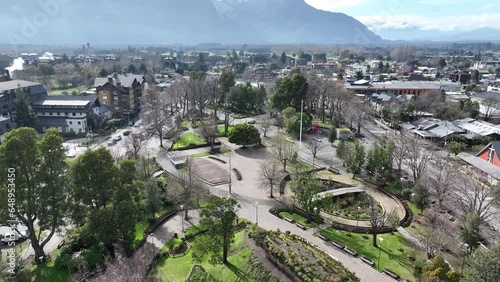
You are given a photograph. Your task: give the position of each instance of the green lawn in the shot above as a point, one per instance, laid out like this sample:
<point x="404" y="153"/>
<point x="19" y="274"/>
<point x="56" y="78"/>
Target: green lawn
<point x="242" y="266"/>
<point x="172" y="243"/>
<point x="323" y="124"/>
<point x="298" y="218"/>
<point x="390" y="256"/>
<point x="188" y="139"/>
<point x="69" y="90"/>
<point x="221" y="129"/>
<point x="43" y="272"/>
<point x="206" y="154"/>
<point x="293" y="166"/>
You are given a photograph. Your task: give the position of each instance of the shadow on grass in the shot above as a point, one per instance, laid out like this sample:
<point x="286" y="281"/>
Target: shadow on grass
<point x="242" y="276"/>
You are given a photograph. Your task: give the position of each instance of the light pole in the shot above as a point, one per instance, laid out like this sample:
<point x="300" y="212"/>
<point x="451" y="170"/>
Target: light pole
<point x="379" y="248"/>
<point x="466" y="252"/>
<point x="257" y="213"/>
<point x="357" y="218"/>
<point x="315" y="215"/>
<point x="182" y="217"/>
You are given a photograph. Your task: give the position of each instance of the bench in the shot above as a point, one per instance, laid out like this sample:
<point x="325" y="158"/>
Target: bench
<point x="351" y="252"/>
<point x="368" y="261"/>
<point x="323" y="238"/>
<point x="391" y="274"/>
<point x="338" y="245"/>
<point x="300" y="226"/>
<point x="288" y="219"/>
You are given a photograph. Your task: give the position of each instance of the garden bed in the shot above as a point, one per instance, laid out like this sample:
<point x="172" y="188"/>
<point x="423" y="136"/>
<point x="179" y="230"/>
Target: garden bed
<point x="305" y="261"/>
<point x="352" y="206"/>
<point x="188" y="140"/>
<point x="298" y="219"/>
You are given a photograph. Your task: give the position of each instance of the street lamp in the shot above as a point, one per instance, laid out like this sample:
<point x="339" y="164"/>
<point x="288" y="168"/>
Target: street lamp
<point x="182" y="217"/>
<point x="315" y="215"/>
<point x="379" y="248"/>
<point x="467" y="249"/>
<point x="257" y="213"/>
<point x="357" y="218"/>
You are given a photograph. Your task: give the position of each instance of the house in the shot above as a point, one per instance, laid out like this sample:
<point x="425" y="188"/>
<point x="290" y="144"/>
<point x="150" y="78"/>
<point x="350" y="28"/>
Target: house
<point x="33" y="90"/>
<point x="489" y="104"/>
<point x="353" y="69"/>
<point x="478" y="128"/>
<point x="66" y="113"/>
<point x="462" y="77"/>
<point x="344" y="134"/>
<point x="262" y="74"/>
<point x="324" y="66"/>
<point x="433" y="129"/>
<point x="485" y="164"/>
<point x="490" y="153"/>
<point x="121" y="93"/>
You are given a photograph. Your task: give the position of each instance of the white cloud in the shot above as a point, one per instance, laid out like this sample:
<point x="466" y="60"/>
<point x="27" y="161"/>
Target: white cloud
<point x="488" y="6"/>
<point x="447" y="23"/>
<point x="334" y="5"/>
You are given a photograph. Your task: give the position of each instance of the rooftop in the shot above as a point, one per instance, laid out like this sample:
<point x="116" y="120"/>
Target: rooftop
<point x="478" y="127"/>
<point x="14" y="84"/>
<point x="481" y="164"/>
<point x="68" y="100"/>
<point x="397" y="85"/>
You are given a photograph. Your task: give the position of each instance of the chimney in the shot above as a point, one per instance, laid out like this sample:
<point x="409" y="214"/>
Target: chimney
<point x="110" y="80"/>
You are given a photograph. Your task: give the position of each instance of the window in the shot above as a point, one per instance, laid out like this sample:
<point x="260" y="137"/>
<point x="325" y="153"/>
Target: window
<point x="70" y="122"/>
<point x="79" y="123"/>
<point x="115" y="98"/>
<point x="490" y="155"/>
<point x="116" y="103"/>
<point x="58" y="113"/>
<point x="74" y="114"/>
<point x="51" y="113"/>
<point x="105" y="98"/>
<point x="66" y="114"/>
<point x="117" y="108"/>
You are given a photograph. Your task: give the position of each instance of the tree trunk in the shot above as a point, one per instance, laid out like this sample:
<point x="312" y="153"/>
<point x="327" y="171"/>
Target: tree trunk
<point x="225" y="248"/>
<point x="374" y="233"/>
<point x="272" y="189"/>
<point x="161" y="139"/>
<point x="186" y="212"/>
<point x="284" y="164"/>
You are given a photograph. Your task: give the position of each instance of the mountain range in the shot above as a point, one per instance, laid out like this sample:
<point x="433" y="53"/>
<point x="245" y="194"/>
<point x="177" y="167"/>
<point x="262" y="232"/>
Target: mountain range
<point x="178" y="21"/>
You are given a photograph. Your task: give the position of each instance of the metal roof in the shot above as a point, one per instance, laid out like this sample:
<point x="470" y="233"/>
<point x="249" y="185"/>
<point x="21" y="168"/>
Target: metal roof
<point x="481" y="164"/>
<point x="14" y="84"/>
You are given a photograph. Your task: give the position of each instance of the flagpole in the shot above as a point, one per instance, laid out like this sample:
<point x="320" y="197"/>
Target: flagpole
<point x="301" y="113"/>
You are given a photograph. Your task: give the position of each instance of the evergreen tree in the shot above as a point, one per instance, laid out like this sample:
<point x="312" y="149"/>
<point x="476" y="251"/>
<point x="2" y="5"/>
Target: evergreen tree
<point x="25" y="117"/>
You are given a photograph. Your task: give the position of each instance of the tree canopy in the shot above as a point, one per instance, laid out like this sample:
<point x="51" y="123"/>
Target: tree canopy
<point x="244" y="134"/>
<point x="290" y="93"/>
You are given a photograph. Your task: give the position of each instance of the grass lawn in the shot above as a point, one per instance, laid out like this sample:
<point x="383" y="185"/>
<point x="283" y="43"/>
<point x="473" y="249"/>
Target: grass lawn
<point x="187" y="140"/>
<point x="43" y="272"/>
<point x="241" y="265"/>
<point x="293" y="166"/>
<point x="390" y="256"/>
<point x="69" y="90"/>
<point x="140" y="227"/>
<point x="298" y="218"/>
<point x="172" y="243"/>
<point x="206" y="154"/>
<point x="323" y="124"/>
<point x="221" y="129"/>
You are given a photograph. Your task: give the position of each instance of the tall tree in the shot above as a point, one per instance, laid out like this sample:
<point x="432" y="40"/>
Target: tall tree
<point x="470" y="230"/>
<point x="188" y="183"/>
<point x="25" y="117"/>
<point x="314" y="147"/>
<point x="305" y="187"/>
<point x="218" y="218"/>
<point x="283" y="58"/>
<point x="377" y="221"/>
<point x="442" y="181"/>
<point x="152" y="198"/>
<point x="282" y="149"/>
<point x="484" y="265"/>
<point x="439" y="270"/>
<point x="432" y="234"/>
<point x="473" y="197"/>
<point x="354" y="157"/>
<point x="39" y="182"/>
<point x="226" y="82"/>
<point x="290" y="93"/>
<point x="270" y="175"/>
<point x="155" y="112"/>
<point x="95" y="178"/>
<point x="417" y="157"/>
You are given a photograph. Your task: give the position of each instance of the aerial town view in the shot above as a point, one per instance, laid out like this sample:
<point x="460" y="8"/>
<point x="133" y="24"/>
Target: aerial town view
<point x="250" y="140"/>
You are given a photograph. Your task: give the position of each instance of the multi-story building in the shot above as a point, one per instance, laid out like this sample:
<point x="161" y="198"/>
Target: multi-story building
<point x="66" y="113"/>
<point x="262" y="74"/>
<point x="33" y="90"/>
<point x="121" y="93"/>
<point x="396" y="87"/>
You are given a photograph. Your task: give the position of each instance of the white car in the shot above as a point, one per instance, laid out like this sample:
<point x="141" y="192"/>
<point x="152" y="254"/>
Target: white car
<point x="10" y="237"/>
<point x="117" y="138"/>
<point x="111" y="142"/>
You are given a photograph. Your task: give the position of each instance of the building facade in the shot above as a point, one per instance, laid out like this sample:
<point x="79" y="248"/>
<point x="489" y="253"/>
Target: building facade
<point x="121" y="93"/>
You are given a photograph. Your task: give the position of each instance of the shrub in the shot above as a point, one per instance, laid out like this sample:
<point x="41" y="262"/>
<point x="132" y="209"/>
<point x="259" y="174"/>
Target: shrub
<point x="94" y="257"/>
<point x="65" y="261"/>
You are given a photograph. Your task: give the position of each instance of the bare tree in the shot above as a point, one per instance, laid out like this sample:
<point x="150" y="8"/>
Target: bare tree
<point x="473" y="197"/>
<point x="442" y="181"/>
<point x="376" y="221"/>
<point x="400" y="150"/>
<point x="134" y="144"/>
<point x="314" y="147"/>
<point x="155" y="112"/>
<point x="418" y="157"/>
<point x="339" y="99"/>
<point x="431" y="234"/>
<point x="489" y="107"/>
<point x="188" y="182"/>
<point x="265" y="123"/>
<point x="270" y="175"/>
<point x="200" y="94"/>
<point x="209" y="131"/>
<point x="360" y="112"/>
<point x="282" y="149"/>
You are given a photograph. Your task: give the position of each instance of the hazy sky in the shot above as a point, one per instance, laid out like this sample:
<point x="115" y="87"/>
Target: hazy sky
<point x="445" y="15"/>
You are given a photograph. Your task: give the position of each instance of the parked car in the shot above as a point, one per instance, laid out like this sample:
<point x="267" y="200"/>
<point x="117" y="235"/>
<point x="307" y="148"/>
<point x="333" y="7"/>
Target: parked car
<point x="138" y="123"/>
<point x="150" y="128"/>
<point x="111" y="142"/>
<point x="117" y="138"/>
<point x="10" y="237"/>
<point x="127" y="132"/>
